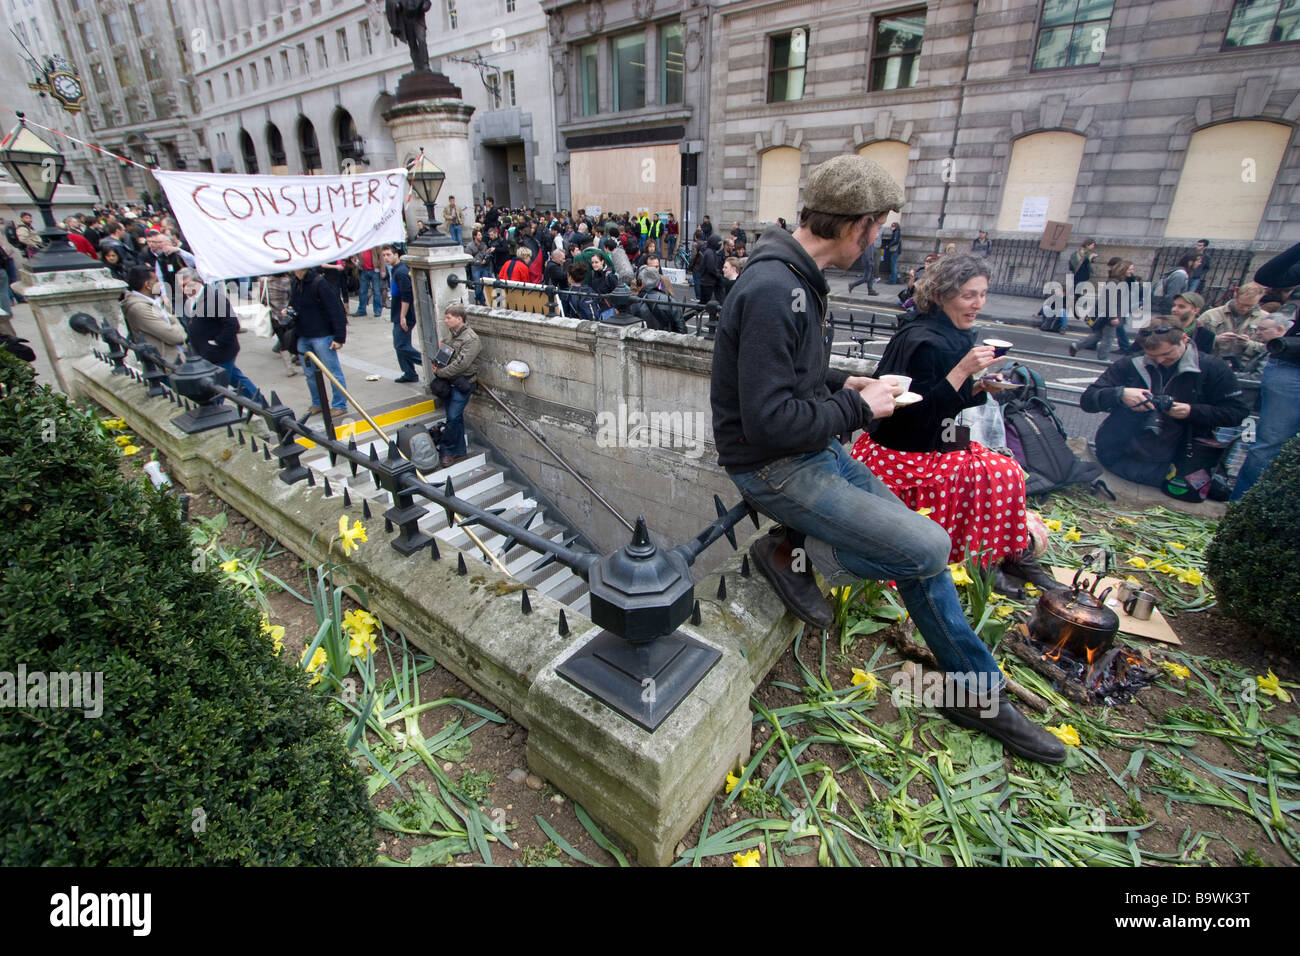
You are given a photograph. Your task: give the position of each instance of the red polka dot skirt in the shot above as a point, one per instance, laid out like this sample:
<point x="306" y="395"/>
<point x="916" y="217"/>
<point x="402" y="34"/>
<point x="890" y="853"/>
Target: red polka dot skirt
<point x="977" y="496"/>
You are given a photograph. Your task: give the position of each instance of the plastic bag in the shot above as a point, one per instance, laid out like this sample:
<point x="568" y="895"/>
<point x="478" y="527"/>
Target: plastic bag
<point x="985" y="423"/>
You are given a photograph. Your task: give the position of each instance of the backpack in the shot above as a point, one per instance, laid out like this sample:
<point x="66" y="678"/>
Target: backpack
<point x="1037" y="440"/>
<point x="1032" y="385"/>
<point x="11" y="233"/>
<point x="1161" y="302"/>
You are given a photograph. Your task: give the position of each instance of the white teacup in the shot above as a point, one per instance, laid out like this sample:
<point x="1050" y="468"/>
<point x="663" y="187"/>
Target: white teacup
<point x="904" y="381"/>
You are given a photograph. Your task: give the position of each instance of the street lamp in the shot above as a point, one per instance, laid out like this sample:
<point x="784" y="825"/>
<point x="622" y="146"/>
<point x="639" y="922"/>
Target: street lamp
<point x="427" y="180"/>
<point x="36" y="166"/>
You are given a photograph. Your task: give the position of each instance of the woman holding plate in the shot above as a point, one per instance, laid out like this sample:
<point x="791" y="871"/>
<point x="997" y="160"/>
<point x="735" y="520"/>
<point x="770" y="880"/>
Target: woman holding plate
<point x="920" y="452"/>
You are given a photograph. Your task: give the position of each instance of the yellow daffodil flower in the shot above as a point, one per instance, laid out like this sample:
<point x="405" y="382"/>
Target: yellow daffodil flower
<point x="746" y="859"/>
<point x="1126" y="521"/>
<point x="1164" y="567"/>
<point x="361" y="644"/>
<point x="1272" y="685"/>
<point x="231" y="566"/>
<point x="1073" y="534"/>
<point x="113" y="424"/>
<point x="1190" y="576"/>
<point x="275" y="632"/>
<point x="1136" y="562"/>
<point x="1066" y="734"/>
<point x="1176" y="669"/>
<point x="1053" y="525"/>
<point x="1031" y="588"/>
<point x="1177" y="545"/>
<point x="959" y="575"/>
<point x="1004" y="610"/>
<point x="870" y="682"/>
<point x="359" y="622"/>
<point x="924" y="511"/>
<point x="316" y="665"/>
<point x="122" y="440"/>
<point x="733" y="780"/>
<point x="130" y="450"/>
<point x="350" y="536"/>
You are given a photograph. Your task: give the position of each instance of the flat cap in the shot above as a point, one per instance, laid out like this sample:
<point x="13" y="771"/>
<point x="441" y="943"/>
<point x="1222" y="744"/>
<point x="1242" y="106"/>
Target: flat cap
<point x="1194" y="299"/>
<point x="851" y="186"/>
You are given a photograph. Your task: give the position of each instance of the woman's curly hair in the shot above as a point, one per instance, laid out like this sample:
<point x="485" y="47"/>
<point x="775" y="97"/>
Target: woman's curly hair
<point x="944" y="278"/>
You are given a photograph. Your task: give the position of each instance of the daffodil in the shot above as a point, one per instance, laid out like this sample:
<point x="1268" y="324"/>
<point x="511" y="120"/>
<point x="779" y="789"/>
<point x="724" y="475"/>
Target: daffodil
<point x="1190" y="576"/>
<point x="130" y="450"/>
<point x="1053" y="524"/>
<point x="924" y="511"/>
<point x="1176" y="669"/>
<point x="1066" y="734"/>
<point x="361" y="645"/>
<point x="1136" y="562"/>
<point x="733" y="781"/>
<point x="1164" y="567"/>
<point x="1126" y="521"/>
<point x="231" y="566"/>
<point x="1177" y="545"/>
<point x="866" y="680"/>
<point x="275" y="632"/>
<point x="959" y="575"/>
<point x="350" y="536"/>
<point x="1004" y="610"/>
<point x="746" y="859"/>
<point x="1031" y="588"/>
<point x="1073" y="534"/>
<point x="359" y="622"/>
<point x="122" y="440"/>
<point x="316" y="665"/>
<point x="1272" y="686"/>
<point x="113" y="424"/>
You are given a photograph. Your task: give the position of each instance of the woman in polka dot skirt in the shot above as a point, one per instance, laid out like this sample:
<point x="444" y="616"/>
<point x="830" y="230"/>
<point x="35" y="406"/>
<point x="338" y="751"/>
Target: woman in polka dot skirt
<point x="920" y="453"/>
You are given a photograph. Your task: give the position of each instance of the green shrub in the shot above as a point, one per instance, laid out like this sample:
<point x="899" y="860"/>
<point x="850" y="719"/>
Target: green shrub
<point x="209" y="750"/>
<point x="1254" y="560"/>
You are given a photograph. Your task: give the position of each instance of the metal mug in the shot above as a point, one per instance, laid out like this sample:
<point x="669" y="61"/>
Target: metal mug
<point x="1140" y="606"/>
<point x="1127" y="589"/>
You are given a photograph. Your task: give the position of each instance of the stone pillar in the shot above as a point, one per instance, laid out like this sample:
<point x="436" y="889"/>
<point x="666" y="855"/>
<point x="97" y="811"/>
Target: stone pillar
<point x="430" y="266"/>
<point x="441" y="128"/>
<point x="55" y="296"/>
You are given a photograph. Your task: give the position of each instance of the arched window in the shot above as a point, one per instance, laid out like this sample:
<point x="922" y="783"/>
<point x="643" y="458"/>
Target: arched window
<point x="275" y="146"/>
<point x="891" y="156"/>
<point x="1042" y="172"/>
<point x="346" y="139"/>
<point x="249" y="152"/>
<point x="309" y="147"/>
<point x="778" y="184"/>
<point x="1226" y="180"/>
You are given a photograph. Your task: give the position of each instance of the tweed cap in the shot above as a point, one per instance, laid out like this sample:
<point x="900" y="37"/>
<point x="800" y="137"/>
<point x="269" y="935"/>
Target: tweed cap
<point x="1194" y="299"/>
<point x="851" y="186"/>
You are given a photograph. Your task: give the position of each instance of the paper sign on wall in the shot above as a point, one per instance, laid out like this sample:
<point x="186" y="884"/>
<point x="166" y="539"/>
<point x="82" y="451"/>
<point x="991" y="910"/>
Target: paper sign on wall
<point x="1033" y="213"/>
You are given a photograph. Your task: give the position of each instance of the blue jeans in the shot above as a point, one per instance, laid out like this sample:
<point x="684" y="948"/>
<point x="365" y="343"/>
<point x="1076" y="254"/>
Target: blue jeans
<point x="892" y="258"/>
<point x="829" y="496"/>
<point x="670" y="246"/>
<point x="371" y="288"/>
<point x="453" y="433"/>
<point x="12" y="270"/>
<point x="320" y="347"/>
<point x="408" y="357"/>
<point x="1279" y="420"/>
<point x="239" y="381"/>
<point x="476" y="273"/>
<point x="455" y="232"/>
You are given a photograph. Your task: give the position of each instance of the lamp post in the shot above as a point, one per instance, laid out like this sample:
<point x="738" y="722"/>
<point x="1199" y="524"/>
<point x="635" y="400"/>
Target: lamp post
<point x="427" y="180"/>
<point x="36" y="166"/>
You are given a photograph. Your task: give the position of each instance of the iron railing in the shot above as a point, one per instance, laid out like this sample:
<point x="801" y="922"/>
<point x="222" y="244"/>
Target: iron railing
<point x="1228" y="269"/>
<point x="1021" y="267"/>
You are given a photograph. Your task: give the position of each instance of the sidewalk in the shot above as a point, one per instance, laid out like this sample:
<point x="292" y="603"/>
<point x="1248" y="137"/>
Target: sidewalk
<point x="1008" y="309"/>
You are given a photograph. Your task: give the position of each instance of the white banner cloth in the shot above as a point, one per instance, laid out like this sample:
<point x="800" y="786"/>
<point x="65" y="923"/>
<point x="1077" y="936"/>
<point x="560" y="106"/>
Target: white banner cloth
<point x="262" y="225"/>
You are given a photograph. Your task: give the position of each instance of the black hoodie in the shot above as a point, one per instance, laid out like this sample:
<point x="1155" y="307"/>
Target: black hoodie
<point x="773" y="394"/>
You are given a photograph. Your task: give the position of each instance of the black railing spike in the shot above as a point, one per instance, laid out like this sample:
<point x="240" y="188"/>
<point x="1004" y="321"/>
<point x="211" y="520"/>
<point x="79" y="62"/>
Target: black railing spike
<point x="241" y="438"/>
<point x="392" y="451"/>
<point x="352" y="446"/>
<point x="365" y="509"/>
<point x="261" y="400"/>
<point x="722" y="511"/>
<point x="347" y="498"/>
<point x="311" y="478"/>
<point x="252" y="444"/>
<point x="266" y="453"/>
<point x="564" y="624"/>
<point x="525" y="605"/>
<point x="695" y="613"/>
<point x="460" y="564"/>
<point x="388" y="526"/>
<point x="230" y="432"/>
<point x="744" y="566"/>
<point x="334" y="458"/>
<point x="275" y="397"/>
<point x="373" y="455"/>
<point x="329" y="492"/>
<point x="722" y="588"/>
<point x="753" y="516"/>
<point x="375" y="476"/>
<point x="434" y="554"/>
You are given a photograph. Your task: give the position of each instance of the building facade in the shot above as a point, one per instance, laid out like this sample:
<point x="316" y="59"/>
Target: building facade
<point x="1141" y="124"/>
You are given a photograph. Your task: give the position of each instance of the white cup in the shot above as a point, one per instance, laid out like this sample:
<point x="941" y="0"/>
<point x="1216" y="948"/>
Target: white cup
<point x="905" y="381"/>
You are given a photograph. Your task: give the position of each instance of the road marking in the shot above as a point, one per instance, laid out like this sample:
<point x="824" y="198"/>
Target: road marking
<point x="395" y="417"/>
<point x="1078" y="381"/>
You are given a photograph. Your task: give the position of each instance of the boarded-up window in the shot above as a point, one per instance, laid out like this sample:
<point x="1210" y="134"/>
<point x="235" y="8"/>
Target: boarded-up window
<point x="1226" y="179"/>
<point x="627" y="179"/>
<point x="891" y="156"/>
<point x="1043" y="166"/>
<point x="778" y="184"/>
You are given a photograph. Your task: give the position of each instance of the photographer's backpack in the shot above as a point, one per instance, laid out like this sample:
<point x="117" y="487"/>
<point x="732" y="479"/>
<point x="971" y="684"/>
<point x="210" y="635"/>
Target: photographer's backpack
<point x="1037" y="438"/>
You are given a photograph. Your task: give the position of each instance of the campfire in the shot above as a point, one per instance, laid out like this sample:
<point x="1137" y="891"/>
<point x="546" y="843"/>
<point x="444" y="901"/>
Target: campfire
<point x="1102" y="675"/>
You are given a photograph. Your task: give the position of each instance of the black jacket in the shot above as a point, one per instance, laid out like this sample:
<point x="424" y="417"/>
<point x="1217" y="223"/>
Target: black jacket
<point x="660" y="317"/>
<point x="320" y="310"/>
<point x="772" y="393"/>
<point x="1202" y="381"/>
<point x="556" y="274"/>
<point x="213" y="325"/>
<point x="1283" y="272"/>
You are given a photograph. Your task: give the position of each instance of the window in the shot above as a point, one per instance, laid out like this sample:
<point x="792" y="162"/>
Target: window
<point x="99" y="76"/>
<point x="451" y="13"/>
<point x="1212" y="196"/>
<point x="153" y="68"/>
<point x="125" y="75"/>
<point x="789" y="65"/>
<point x="284" y="63"/>
<point x="1072" y="33"/>
<point x="367" y="42"/>
<point x="510" y="87"/>
<point x="88" y="41"/>
<point x="304" y="64"/>
<point x="1256" y="22"/>
<point x="629" y="71"/>
<point x="162" y="106"/>
<point x="270" y="71"/>
<point x="140" y="19"/>
<point x="229" y="91"/>
<point x="670" y="63"/>
<point x="212" y="97"/>
<point x="494" y="90"/>
<point x="897" y="53"/>
<point x="510" y="6"/>
<point x="275" y="146"/>
<point x="239" y="78"/>
<point x="322" y="57"/>
<point x="114" y="29"/>
<point x="588" y="61"/>
<point x="249" y="152"/>
<point x="252" y="75"/>
<point x="342" y="35"/>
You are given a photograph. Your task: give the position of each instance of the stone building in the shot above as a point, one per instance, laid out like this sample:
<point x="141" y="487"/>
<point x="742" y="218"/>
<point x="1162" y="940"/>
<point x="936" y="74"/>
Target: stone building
<point x="1144" y="125"/>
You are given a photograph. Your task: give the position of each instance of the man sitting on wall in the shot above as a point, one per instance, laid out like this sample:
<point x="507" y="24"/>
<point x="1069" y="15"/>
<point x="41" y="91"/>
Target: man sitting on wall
<point x="454" y="382"/>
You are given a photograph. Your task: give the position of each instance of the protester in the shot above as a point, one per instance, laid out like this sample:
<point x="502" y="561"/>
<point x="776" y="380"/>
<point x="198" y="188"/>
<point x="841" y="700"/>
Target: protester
<point x="460" y="373"/>
<point x="454" y="217"/>
<point x="1233" y="323"/>
<point x="893" y="248"/>
<point x="28" y="238"/>
<point x="214" y="329"/>
<point x="322" y="331"/>
<point x="982" y="246"/>
<point x="647" y="305"/>
<point x="372" y="275"/>
<point x="276" y="291"/>
<point x="402" y="314"/>
<point x="145" y="319"/>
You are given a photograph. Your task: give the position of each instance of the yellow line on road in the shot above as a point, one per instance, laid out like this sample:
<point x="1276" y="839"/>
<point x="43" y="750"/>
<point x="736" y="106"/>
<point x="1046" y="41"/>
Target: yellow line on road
<point x="396" y="416"/>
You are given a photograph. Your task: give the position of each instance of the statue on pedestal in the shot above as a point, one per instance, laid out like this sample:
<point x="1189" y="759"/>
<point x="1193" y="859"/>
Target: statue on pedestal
<point x="406" y="20"/>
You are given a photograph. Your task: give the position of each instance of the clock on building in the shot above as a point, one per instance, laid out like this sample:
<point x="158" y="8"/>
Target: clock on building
<point x="67" y="90"/>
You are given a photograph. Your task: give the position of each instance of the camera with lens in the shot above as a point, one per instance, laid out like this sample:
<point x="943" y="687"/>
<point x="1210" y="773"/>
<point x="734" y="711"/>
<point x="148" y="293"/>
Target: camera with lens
<point x="1286" y="348"/>
<point x="1162" y="402"/>
<point x="1152" y="421"/>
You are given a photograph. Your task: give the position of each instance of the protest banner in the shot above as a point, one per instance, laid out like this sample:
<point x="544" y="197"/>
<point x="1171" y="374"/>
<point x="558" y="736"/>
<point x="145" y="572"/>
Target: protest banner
<point x="240" y="225"/>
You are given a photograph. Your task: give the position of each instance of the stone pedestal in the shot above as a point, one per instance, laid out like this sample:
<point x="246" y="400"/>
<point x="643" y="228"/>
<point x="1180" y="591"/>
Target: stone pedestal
<point x="441" y="128"/>
<point x="55" y="296"/>
<point x="430" y="266"/>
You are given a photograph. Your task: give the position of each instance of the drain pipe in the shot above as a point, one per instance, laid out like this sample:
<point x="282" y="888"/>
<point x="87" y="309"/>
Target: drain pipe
<point x="956" y="129"/>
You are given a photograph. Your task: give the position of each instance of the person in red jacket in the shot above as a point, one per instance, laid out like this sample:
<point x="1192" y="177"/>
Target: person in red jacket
<point x="516" y="267"/>
<point x="83" y="245"/>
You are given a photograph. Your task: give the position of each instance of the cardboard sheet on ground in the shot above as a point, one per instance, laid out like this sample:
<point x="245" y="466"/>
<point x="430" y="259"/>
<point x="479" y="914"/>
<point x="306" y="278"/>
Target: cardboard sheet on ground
<point x="1156" y="629"/>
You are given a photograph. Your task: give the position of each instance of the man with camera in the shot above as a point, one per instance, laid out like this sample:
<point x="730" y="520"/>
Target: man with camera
<point x="455" y="373"/>
<point x="1164" y="406"/>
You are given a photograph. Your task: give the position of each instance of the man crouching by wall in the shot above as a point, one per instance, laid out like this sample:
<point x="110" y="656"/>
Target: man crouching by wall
<point x="777" y="412"/>
<point x="454" y="382"/>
